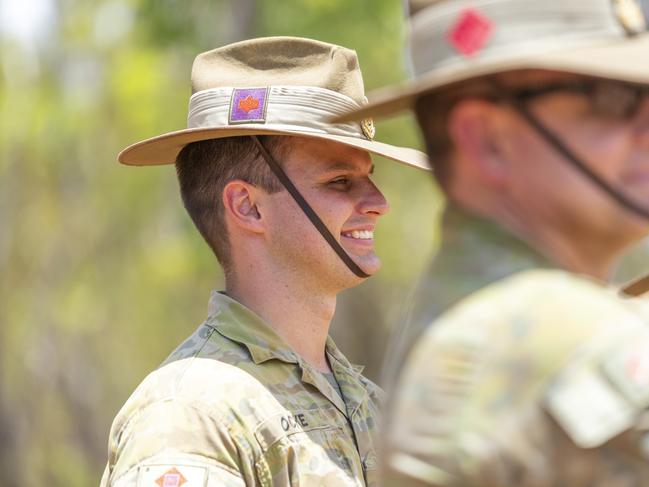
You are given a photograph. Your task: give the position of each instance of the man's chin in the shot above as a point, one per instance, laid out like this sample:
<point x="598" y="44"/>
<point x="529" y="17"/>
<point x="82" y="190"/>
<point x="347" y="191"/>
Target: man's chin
<point x="369" y="266"/>
<point x="369" y="263"/>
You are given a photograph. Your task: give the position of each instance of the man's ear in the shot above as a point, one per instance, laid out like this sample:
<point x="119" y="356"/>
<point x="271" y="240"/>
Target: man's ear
<point x="240" y="201"/>
<point x="473" y="128"/>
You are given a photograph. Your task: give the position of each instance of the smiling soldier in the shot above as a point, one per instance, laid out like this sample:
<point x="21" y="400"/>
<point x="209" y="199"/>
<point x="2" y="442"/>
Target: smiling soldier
<point x="259" y="394"/>
<point x="536" y="117"/>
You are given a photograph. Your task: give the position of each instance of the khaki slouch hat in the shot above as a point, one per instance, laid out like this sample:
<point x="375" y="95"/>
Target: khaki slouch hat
<point x="272" y="86"/>
<point x="455" y="40"/>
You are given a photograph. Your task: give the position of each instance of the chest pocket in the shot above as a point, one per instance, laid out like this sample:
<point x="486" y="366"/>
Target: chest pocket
<point x="305" y="445"/>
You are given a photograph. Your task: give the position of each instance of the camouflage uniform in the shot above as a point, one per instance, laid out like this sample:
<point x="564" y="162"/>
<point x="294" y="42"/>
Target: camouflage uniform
<point x="495" y="394"/>
<point x="234" y="406"/>
<point x="541" y="378"/>
<point x="473" y="253"/>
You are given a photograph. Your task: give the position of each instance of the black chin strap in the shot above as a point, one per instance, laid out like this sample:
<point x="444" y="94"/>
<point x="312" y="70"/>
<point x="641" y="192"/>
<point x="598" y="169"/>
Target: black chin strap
<point x="568" y="155"/>
<point x="308" y="211"/>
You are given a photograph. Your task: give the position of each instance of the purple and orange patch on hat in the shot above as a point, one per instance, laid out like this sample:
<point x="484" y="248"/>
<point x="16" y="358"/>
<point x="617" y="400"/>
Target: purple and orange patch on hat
<point x="248" y="105"/>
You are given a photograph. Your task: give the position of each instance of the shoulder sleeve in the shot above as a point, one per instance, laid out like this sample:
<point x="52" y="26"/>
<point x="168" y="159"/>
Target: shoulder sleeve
<point x="177" y="439"/>
<point x="469" y="408"/>
<point x="177" y="469"/>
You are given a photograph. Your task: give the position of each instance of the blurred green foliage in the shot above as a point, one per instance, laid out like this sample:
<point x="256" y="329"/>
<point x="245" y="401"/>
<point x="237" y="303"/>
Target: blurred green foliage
<point x="101" y="271"/>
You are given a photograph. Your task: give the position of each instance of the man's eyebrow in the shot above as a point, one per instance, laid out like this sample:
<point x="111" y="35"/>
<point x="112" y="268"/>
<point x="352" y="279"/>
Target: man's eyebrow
<point x="346" y="166"/>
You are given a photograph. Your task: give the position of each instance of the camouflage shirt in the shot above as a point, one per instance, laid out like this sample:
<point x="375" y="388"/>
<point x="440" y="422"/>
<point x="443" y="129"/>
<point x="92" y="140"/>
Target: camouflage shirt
<point x="538" y="379"/>
<point x="235" y="406"/>
<point x="473" y="253"/>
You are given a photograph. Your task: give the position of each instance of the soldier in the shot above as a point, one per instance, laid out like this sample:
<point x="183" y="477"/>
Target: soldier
<point x="259" y="394"/>
<point x="536" y="118"/>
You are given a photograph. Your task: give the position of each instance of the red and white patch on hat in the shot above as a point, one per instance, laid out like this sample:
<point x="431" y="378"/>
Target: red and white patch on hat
<point x="171" y="478"/>
<point x="471" y="32"/>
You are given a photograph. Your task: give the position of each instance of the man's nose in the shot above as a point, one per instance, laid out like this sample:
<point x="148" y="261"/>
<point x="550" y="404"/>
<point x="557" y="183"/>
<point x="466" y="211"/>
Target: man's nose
<point x="373" y="201"/>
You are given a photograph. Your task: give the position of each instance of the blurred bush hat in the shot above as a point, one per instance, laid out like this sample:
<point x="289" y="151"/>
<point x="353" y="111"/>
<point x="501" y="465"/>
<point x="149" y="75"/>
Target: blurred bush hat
<point x="455" y="40"/>
<point x="272" y="86"/>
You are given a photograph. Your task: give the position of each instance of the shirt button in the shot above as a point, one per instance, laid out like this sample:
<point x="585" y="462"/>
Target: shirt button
<point x="370" y="462"/>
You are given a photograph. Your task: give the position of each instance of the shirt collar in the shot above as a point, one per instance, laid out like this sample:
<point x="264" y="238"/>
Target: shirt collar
<point x="348" y="376"/>
<point x="475" y="252"/>
<point x="242" y="325"/>
<point x="487" y="246"/>
<point x="237" y="322"/>
<point x="335" y="354"/>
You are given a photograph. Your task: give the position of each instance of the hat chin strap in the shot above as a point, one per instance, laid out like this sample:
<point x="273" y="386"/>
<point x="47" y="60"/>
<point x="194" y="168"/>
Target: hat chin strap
<point x="308" y="211"/>
<point x="569" y="155"/>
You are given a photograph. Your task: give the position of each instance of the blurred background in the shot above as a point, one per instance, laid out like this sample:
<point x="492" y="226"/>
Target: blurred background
<point x="101" y="271"/>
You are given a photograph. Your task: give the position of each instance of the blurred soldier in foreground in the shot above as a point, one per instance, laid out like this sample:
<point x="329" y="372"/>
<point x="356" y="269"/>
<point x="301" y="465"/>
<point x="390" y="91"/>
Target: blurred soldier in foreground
<point x="259" y="395"/>
<point x="536" y="118"/>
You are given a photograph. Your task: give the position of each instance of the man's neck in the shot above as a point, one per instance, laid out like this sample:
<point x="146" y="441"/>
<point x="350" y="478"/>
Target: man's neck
<point x="301" y="317"/>
<point x="476" y="251"/>
<point x="563" y="244"/>
<point x="581" y="255"/>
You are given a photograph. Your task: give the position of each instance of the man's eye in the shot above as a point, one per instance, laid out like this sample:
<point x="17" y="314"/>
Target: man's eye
<point x="340" y="181"/>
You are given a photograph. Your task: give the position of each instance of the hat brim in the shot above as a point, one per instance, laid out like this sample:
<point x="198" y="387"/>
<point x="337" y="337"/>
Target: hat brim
<point x="164" y="149"/>
<point x="626" y="60"/>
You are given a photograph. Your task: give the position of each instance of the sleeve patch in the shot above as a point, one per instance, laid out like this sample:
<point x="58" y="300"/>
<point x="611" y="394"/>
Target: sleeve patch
<point x="588" y="409"/>
<point x="169" y="475"/>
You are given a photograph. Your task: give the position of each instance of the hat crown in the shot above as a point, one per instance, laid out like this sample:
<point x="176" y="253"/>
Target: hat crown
<point x="453" y="41"/>
<point x="280" y="61"/>
<point x="469" y="35"/>
<point x="285" y="86"/>
<point x="415" y="6"/>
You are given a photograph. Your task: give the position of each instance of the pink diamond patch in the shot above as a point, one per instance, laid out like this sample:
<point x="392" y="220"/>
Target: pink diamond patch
<point x="171" y="478"/>
<point x="471" y="32"/>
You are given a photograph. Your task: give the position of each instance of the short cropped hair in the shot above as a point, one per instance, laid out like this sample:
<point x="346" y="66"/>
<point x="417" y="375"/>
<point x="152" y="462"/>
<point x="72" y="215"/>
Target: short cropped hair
<point x="205" y="167"/>
<point x="433" y="111"/>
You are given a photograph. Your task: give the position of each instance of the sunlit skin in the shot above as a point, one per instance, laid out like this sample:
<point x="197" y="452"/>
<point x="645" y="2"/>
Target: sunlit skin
<point x="283" y="269"/>
<point x="504" y="169"/>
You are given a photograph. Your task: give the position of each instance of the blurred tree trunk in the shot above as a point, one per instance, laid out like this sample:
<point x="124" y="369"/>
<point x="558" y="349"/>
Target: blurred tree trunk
<point x="8" y="458"/>
<point x="244" y="14"/>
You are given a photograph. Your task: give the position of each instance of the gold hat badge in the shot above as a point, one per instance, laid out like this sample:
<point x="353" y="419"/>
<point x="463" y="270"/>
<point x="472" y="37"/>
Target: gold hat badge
<point x="368" y="128"/>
